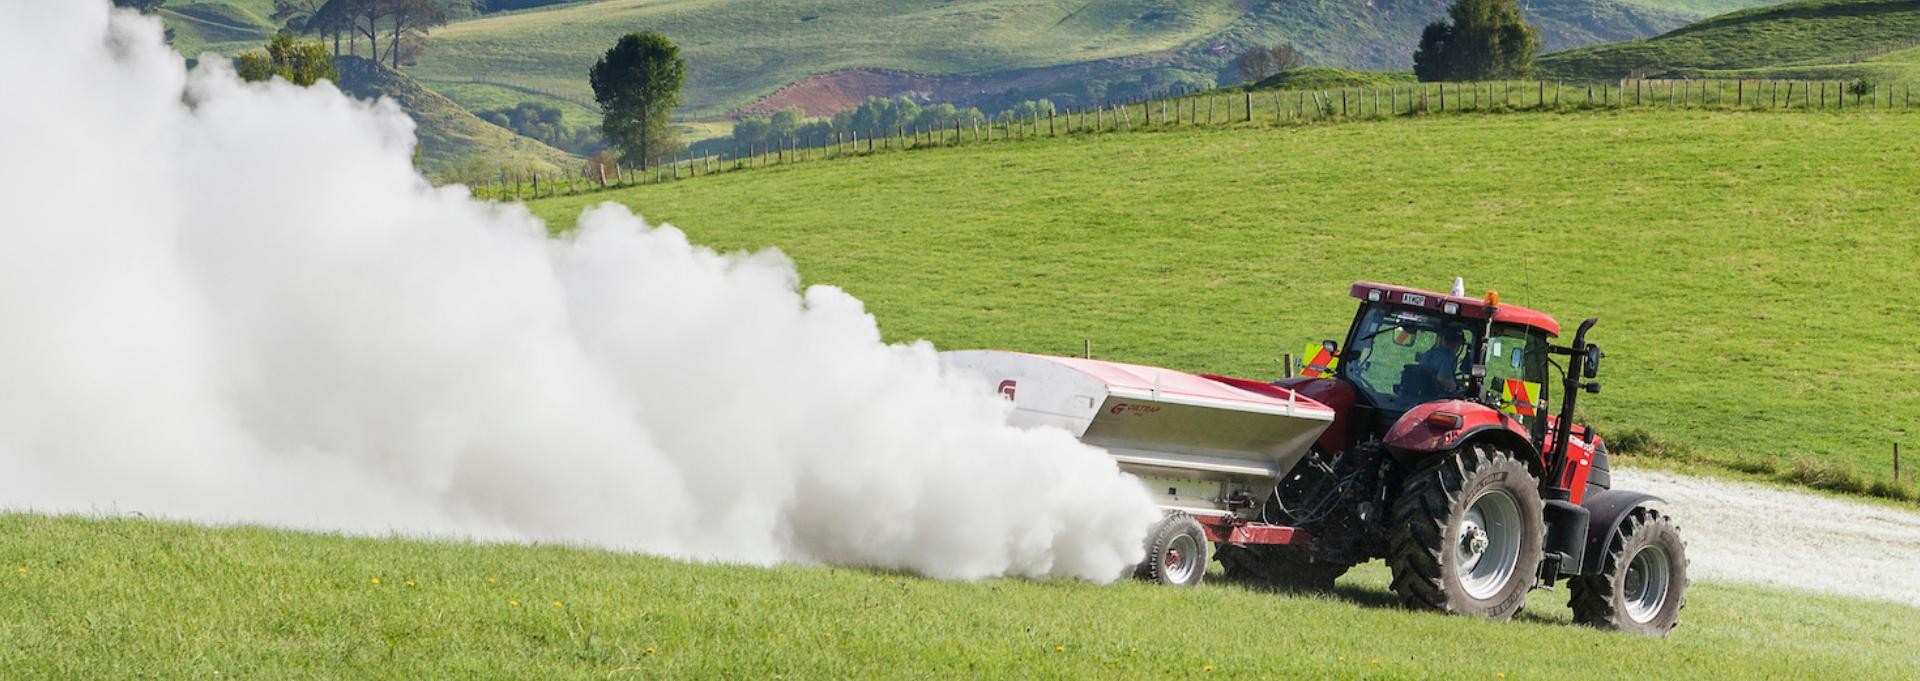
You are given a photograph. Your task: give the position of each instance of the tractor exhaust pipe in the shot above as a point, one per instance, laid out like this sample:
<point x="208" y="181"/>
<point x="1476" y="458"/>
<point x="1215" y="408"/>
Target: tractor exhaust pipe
<point x="1576" y="370"/>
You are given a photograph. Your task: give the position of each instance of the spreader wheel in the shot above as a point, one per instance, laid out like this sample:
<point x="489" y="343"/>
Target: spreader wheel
<point x="1642" y="582"/>
<point x="1467" y="535"/>
<point x="1176" y="552"/>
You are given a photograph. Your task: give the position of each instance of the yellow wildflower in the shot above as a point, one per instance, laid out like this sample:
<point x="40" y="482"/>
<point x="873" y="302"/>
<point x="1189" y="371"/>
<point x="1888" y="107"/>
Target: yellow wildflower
<point x="649" y="650"/>
<point x="515" y="602"/>
<point x="1206" y="667"/>
<point x="557" y="604"/>
<point x="410" y="584"/>
<point x="1059" y="649"/>
<point x="491" y="580"/>
<point x="23" y="569"/>
<point x="375" y="581"/>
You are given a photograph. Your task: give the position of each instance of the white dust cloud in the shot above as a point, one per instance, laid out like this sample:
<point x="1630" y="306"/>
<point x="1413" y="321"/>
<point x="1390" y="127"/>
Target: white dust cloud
<point x="232" y="302"/>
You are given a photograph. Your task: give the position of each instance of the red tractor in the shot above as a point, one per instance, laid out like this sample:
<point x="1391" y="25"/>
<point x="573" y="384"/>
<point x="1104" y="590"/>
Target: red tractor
<point x="1443" y="460"/>
<point x="1425" y="439"/>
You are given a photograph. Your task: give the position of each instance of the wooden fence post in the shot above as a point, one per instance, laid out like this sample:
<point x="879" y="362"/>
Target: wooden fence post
<point x="1443" y="97"/>
<point x="1249" y="118"/>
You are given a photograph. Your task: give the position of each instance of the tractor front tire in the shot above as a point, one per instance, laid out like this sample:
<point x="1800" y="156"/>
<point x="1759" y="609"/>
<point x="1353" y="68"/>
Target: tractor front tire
<point x="1176" y="552"/>
<point x="1642" y="582"/>
<point x="1278" y="567"/>
<point x="1467" y="535"/>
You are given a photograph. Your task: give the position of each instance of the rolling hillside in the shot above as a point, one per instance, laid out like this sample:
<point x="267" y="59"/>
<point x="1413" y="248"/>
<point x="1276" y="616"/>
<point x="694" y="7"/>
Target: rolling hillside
<point x="977" y="51"/>
<point x="449" y="134"/>
<point x="1802" y="39"/>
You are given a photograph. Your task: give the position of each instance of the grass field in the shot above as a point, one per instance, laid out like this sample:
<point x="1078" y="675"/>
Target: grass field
<point x="1762" y="42"/>
<point x="1752" y="271"/>
<point x="126" y="598"/>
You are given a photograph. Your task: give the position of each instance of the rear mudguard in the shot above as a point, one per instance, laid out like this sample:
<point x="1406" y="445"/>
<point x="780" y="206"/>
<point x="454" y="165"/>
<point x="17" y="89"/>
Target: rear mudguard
<point x="1414" y="435"/>
<point x="1607" y="509"/>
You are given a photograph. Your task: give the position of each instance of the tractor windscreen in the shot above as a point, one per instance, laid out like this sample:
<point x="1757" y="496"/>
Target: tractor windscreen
<point x="1404" y="357"/>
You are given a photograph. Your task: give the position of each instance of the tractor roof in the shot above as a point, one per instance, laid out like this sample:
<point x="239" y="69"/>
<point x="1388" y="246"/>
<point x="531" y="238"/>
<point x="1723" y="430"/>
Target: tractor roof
<point x="1472" y="308"/>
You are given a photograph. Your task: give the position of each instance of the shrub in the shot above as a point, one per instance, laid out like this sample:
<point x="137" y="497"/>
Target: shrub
<point x="1752" y="466"/>
<point x="1640" y="442"/>
<point x="1826" y="475"/>
<point x="1888" y="489"/>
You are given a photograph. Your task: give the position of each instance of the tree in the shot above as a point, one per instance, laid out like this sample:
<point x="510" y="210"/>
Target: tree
<point x="302" y="64"/>
<point x="1256" y="65"/>
<point x="637" y="85"/>
<point x="346" y="16"/>
<point x="1486" y="40"/>
<point x="1260" y="62"/>
<point x="411" y="19"/>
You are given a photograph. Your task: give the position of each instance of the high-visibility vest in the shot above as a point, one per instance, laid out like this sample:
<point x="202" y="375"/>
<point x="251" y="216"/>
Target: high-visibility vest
<point x="1519" y="397"/>
<point x="1317" y="361"/>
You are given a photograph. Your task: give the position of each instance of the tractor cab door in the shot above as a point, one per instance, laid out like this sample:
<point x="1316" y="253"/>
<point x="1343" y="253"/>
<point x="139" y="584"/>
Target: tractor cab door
<point x="1517" y="371"/>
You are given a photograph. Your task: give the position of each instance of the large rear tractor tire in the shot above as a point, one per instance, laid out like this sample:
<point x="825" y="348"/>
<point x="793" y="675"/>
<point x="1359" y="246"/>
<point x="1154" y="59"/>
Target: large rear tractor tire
<point x="1467" y="535"/>
<point x="1176" y="552"/>
<point x="1642" y="582"/>
<point x="1278" y="567"/>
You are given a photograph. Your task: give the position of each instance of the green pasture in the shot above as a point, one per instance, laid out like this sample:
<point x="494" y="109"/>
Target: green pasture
<point x="1753" y="271"/>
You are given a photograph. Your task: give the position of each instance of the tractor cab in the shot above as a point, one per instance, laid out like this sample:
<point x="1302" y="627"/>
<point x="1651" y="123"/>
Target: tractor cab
<point x="1409" y="348"/>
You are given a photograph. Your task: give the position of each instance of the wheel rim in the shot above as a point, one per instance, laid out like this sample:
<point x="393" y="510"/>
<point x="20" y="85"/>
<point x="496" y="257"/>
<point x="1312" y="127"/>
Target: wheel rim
<point x="1489" y="545"/>
<point x="1182" y="559"/>
<point x="1645" y="590"/>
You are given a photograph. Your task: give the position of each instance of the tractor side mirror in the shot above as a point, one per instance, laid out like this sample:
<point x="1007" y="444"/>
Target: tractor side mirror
<point x="1594" y="354"/>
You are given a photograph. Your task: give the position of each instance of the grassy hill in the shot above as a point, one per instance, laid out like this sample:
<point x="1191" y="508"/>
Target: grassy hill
<point x="1326" y="78"/>
<point x="216" y="26"/>
<point x="131" y="598"/>
<point x="1825" y="37"/>
<point x="740" y="50"/>
<point x="448" y="133"/>
<point x="1748" y="269"/>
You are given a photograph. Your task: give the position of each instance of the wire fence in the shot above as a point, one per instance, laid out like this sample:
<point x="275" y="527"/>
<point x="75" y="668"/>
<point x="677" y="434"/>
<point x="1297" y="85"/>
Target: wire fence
<point x="1271" y="108"/>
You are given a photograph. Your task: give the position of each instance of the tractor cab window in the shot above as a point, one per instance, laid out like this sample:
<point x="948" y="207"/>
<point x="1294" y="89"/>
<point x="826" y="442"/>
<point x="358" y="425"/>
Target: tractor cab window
<point x="1404" y="357"/>
<point x="1516" y="370"/>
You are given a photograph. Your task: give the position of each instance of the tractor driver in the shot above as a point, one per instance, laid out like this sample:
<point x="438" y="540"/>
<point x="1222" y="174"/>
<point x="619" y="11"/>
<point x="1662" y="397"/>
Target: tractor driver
<point x="1442" y="361"/>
